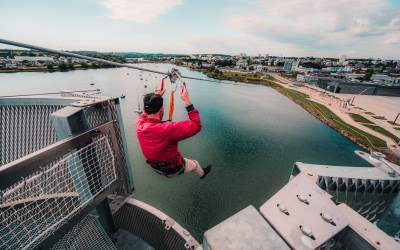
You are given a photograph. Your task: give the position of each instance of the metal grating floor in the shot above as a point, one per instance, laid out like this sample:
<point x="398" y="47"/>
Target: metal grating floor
<point x="88" y="234"/>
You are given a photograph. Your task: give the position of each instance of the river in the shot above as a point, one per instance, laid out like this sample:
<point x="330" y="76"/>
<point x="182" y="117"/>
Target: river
<point x="251" y="134"/>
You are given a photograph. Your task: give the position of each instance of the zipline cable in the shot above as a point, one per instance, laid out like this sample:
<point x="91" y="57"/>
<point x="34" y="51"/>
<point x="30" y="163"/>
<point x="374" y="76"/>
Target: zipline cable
<point x="51" y="93"/>
<point x="68" y="54"/>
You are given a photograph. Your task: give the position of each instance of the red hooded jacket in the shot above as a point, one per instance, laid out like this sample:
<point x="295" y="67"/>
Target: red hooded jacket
<point x="159" y="139"/>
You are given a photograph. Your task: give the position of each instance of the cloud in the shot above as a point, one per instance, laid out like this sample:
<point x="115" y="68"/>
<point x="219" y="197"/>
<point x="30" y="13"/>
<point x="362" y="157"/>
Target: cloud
<point x="393" y="39"/>
<point x="216" y="44"/>
<point x="322" y="25"/>
<point x="141" y="11"/>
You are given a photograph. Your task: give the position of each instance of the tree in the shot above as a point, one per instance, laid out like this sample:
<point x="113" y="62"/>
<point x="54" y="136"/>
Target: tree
<point x="84" y="65"/>
<point x="50" y="66"/>
<point x="368" y="75"/>
<point x="295" y="74"/>
<point x="358" y="71"/>
<point x="251" y="68"/>
<point x="63" y="66"/>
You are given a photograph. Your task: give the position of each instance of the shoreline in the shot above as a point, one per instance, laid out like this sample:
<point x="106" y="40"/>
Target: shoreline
<point x="317" y="114"/>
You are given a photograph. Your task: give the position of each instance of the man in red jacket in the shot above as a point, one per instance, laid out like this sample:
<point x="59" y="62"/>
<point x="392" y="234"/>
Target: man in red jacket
<point x="159" y="139"/>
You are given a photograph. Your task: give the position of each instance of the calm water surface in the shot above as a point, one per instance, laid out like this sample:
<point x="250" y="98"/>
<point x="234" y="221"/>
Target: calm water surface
<point x="251" y="134"/>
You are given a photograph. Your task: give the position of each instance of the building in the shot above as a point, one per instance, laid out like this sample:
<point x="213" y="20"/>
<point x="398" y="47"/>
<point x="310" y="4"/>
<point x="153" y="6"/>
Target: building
<point x="342" y="59"/>
<point x="357" y="88"/>
<point x="306" y="78"/>
<point x="291" y="65"/>
<point x="257" y="67"/>
<point x="382" y="78"/>
<point x="241" y="64"/>
<point x="34" y="59"/>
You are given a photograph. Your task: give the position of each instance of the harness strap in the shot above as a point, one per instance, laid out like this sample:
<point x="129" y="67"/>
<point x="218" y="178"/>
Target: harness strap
<point x="171" y="106"/>
<point x="162" y="167"/>
<point x="184" y="87"/>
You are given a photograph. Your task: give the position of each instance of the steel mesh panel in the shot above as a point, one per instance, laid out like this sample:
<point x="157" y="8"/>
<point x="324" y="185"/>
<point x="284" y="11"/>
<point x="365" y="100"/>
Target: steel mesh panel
<point x="33" y="208"/>
<point x="103" y="113"/>
<point x="87" y="234"/>
<point x="124" y="169"/>
<point x="25" y="129"/>
<point x="367" y="197"/>
<point x="147" y="227"/>
<point x="98" y="116"/>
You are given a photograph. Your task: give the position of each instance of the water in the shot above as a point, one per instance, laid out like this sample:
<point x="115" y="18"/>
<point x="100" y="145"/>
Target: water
<point x="251" y="134"/>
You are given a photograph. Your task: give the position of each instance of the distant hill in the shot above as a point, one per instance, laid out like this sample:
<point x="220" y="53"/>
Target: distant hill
<point x="123" y="54"/>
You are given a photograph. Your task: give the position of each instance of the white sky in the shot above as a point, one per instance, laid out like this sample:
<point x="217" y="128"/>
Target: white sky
<point x="356" y="28"/>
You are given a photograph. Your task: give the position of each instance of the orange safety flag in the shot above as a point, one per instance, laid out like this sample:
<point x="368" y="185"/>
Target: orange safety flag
<point x="171" y="106"/>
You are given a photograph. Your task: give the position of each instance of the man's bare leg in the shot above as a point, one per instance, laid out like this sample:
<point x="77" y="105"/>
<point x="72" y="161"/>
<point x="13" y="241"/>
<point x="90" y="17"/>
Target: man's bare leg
<point x="193" y="166"/>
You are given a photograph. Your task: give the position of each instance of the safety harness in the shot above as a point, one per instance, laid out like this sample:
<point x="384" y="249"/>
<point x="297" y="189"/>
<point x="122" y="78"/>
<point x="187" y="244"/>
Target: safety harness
<point x="164" y="168"/>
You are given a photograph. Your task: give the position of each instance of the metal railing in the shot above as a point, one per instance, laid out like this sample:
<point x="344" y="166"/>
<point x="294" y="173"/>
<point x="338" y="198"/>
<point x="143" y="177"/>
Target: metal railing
<point x="44" y="190"/>
<point x="151" y="225"/>
<point x="26" y="125"/>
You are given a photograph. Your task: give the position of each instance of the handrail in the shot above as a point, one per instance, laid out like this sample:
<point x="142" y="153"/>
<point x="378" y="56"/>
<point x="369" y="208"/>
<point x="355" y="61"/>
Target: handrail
<point x="13" y="172"/>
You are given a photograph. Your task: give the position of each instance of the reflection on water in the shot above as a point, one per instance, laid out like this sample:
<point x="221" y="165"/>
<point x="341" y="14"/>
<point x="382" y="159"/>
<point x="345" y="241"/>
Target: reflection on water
<point x="251" y="135"/>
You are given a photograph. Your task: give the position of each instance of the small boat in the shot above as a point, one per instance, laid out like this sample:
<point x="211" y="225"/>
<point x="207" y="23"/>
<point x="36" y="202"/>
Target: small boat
<point x="92" y="83"/>
<point x="122" y="96"/>
<point x="145" y="86"/>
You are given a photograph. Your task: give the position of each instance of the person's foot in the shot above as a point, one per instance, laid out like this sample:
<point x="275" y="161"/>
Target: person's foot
<point x="206" y="171"/>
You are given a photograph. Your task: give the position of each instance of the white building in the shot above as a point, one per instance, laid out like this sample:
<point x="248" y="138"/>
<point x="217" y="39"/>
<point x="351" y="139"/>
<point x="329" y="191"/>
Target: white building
<point x="342" y="59"/>
<point x="47" y="59"/>
<point x="241" y="64"/>
<point x="257" y="67"/>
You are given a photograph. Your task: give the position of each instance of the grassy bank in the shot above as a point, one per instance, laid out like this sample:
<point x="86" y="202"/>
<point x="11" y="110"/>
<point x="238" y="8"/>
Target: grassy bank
<point x="360" y="118"/>
<point x="383" y="132"/>
<point x="231" y="76"/>
<point x="356" y="135"/>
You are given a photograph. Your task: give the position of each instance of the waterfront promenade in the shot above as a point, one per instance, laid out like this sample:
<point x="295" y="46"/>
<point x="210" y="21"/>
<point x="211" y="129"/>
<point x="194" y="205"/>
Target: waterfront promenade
<point x="381" y="106"/>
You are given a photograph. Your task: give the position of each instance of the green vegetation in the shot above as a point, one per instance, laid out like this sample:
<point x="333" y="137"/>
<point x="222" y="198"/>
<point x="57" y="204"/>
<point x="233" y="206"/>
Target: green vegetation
<point x="232" y="76"/>
<point x="397" y="128"/>
<point x="369" y="113"/>
<point x="379" y="117"/>
<point x="392" y="123"/>
<point x="331" y="117"/>
<point x="383" y="132"/>
<point x="291" y="76"/>
<point x="368" y="74"/>
<point x="360" y="118"/>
